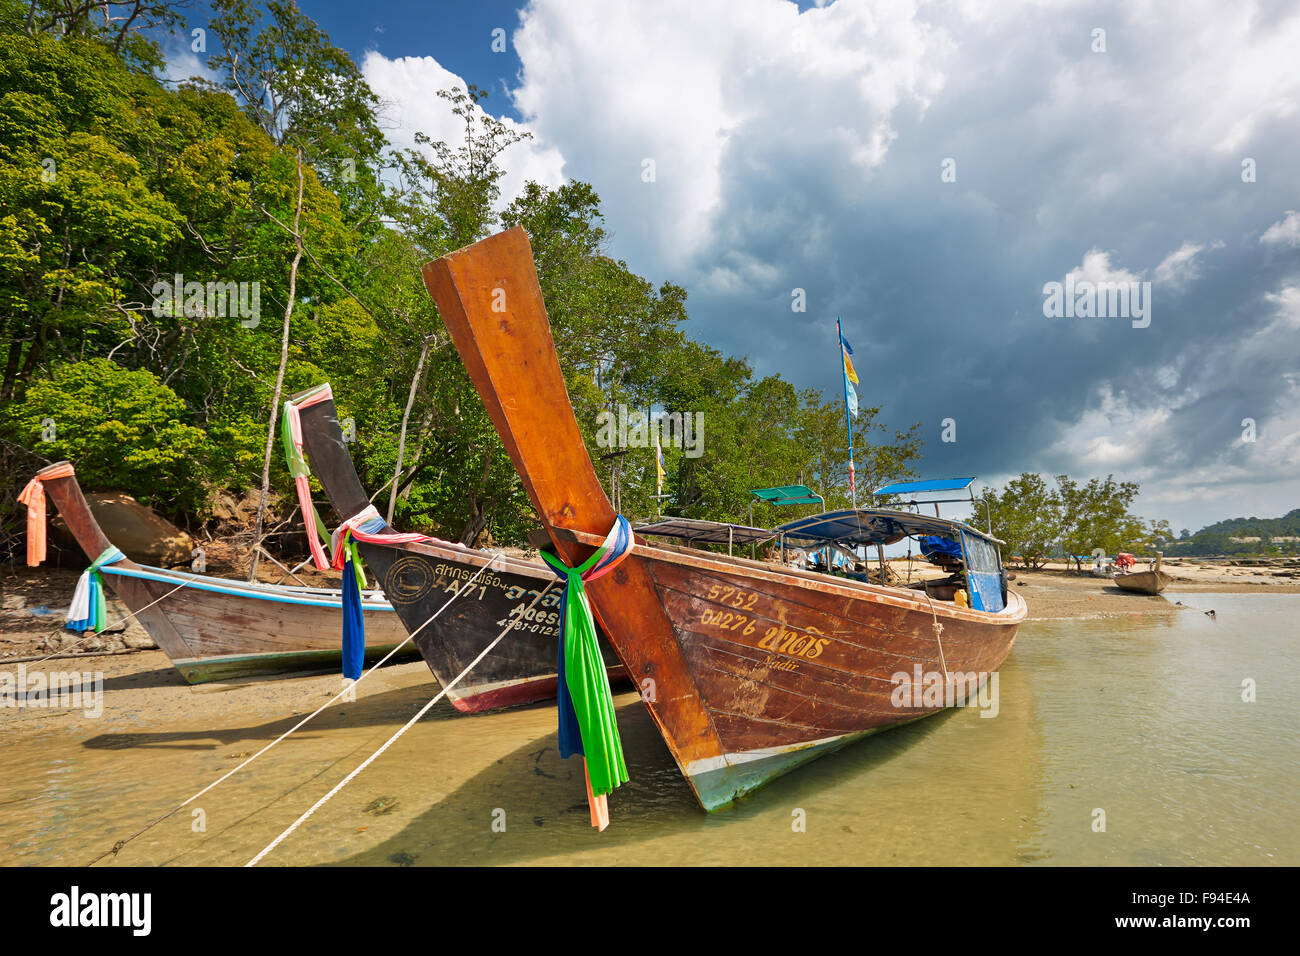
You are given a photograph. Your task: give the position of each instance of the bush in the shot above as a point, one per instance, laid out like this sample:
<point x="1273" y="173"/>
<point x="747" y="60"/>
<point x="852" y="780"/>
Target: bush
<point x="122" y="430"/>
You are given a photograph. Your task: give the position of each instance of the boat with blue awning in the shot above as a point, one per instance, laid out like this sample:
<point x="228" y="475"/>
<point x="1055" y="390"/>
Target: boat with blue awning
<point x="749" y="668"/>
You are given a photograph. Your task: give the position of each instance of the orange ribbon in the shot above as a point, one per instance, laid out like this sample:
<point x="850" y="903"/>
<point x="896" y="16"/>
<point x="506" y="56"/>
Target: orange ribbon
<point x="33" y="496"/>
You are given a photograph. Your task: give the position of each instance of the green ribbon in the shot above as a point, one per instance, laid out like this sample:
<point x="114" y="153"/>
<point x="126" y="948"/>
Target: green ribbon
<point x="587" y="681"/>
<point x="354" y="555"/>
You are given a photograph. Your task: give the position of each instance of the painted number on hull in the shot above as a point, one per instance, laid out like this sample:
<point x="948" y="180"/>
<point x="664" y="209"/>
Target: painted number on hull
<point x="730" y="622"/>
<point x="806" y="642"/>
<point x="532" y="620"/>
<point x="732" y="597"/>
<point x="455" y="587"/>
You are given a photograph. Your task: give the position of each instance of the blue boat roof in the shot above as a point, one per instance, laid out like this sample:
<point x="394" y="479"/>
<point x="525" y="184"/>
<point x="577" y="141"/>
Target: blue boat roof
<point x="850" y="528"/>
<point x="933" y="484"/>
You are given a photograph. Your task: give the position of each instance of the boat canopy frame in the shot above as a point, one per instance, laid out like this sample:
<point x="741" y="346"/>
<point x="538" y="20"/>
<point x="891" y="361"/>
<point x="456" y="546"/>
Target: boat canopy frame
<point x="932" y="485"/>
<point x="698" y="530"/>
<point x="871" y="526"/>
<point x="851" y="528"/>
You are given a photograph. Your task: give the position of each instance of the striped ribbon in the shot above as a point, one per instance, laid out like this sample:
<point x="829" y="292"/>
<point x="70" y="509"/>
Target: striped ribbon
<point x="88" y="604"/>
<point x="291" y="436"/>
<point x="585" y="706"/>
<point x="368" y="526"/>
<point x="33" y="496"/>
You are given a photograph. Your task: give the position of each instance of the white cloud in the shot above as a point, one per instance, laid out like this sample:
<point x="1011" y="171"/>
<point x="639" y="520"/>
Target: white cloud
<point x="1096" y="268"/>
<point x="1181" y="266"/>
<point x="1150" y="438"/>
<point x="1284" y="232"/>
<point x="714" y="92"/>
<point x="182" y="63"/>
<point x="408" y="86"/>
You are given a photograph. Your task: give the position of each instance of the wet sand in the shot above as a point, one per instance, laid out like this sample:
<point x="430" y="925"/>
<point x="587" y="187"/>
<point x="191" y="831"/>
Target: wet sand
<point x="1087" y="719"/>
<point x="71" y="785"/>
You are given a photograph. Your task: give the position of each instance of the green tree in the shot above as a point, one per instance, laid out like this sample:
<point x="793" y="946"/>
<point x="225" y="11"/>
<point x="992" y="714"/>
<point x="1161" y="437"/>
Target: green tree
<point x="122" y="429"/>
<point x="305" y="93"/>
<point x="1026" y="514"/>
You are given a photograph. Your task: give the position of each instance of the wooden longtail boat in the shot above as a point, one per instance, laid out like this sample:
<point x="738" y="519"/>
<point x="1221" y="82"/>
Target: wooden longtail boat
<point x="1151" y="581"/>
<point x="748" y="669"/>
<point x="419" y="577"/>
<point x="216" y="628"/>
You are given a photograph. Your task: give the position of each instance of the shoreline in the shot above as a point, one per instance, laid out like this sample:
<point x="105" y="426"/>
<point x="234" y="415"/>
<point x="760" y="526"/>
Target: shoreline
<point x="33" y="601"/>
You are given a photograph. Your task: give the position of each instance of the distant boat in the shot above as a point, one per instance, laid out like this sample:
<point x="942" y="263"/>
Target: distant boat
<point x="217" y="628"/>
<point x="1151" y="581"/>
<point x="420" y="577"/>
<point x="753" y="668"/>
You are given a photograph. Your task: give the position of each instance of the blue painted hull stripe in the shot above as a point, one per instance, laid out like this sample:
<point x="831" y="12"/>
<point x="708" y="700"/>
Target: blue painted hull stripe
<point x="193" y="581"/>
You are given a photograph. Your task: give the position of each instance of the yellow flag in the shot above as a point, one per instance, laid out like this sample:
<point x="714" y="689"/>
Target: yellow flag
<point x="849" y="371"/>
<point x="659" y="466"/>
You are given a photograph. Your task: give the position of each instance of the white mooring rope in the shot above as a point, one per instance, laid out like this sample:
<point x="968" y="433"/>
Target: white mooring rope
<point x="348" y="688"/>
<point x="107" y="627"/>
<point x="393" y="739"/>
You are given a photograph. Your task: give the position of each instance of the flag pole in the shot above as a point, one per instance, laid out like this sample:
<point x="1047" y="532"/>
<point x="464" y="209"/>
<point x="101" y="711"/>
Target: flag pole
<point x="848" y="420"/>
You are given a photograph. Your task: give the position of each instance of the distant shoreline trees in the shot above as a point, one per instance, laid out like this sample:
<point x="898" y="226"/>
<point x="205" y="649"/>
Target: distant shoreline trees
<point x="1041" y="522"/>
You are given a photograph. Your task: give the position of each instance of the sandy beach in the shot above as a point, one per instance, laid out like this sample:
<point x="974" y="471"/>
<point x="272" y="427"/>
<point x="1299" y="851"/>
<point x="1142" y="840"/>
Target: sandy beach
<point x="154" y="740"/>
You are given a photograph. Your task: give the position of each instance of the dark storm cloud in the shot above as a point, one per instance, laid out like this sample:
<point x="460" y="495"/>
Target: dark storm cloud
<point x="827" y="178"/>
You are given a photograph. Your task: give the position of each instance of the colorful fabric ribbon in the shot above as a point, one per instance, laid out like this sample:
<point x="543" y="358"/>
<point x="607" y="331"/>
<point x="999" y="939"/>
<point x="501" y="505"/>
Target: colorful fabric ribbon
<point x="88" y="605"/>
<point x="354" y="627"/>
<point x="33" y="496"/>
<point x="291" y="436"/>
<point x="364" y="526"/>
<point x="368" y="526"/>
<point x="585" y="706"/>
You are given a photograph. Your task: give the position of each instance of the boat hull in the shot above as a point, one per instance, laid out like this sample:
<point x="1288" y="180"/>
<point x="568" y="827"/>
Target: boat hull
<point x="786" y="671"/>
<point x="218" y="629"/>
<point x="420" y="579"/>
<point x="1143" y="582"/>
<point x="747" y="670"/>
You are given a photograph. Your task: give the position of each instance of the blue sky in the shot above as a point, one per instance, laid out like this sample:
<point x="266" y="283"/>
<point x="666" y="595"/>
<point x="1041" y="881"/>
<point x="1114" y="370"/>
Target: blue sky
<point x="924" y="169"/>
<point x="458" y="35"/>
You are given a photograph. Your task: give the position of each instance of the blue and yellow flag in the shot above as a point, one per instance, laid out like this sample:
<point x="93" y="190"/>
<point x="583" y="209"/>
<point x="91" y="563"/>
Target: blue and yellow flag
<point x="850" y="377"/>
<point x="659" y="466"/>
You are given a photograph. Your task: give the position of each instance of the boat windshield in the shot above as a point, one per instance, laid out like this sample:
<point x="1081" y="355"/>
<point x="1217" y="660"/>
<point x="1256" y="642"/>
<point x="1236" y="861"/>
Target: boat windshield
<point x="970" y="556"/>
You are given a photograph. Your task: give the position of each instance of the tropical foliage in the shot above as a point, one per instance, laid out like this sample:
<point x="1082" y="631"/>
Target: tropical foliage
<point x="118" y="188"/>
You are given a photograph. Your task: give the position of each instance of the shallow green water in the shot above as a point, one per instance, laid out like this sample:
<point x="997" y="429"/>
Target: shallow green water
<point x="1142" y="719"/>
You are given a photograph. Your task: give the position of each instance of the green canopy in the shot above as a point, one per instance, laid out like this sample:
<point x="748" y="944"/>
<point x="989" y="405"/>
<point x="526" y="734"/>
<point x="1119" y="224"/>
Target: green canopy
<point x="787" y="495"/>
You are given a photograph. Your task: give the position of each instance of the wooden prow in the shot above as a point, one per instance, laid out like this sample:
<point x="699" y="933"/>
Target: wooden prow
<point x="65" y="494"/>
<point x="491" y="303"/>
<point x="322" y="439"/>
